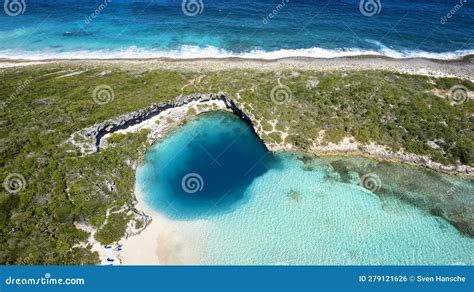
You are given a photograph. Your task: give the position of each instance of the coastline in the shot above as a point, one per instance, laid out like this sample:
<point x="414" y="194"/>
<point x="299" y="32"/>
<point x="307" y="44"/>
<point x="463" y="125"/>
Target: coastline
<point x="143" y="246"/>
<point x="200" y="133"/>
<point x="462" y="68"/>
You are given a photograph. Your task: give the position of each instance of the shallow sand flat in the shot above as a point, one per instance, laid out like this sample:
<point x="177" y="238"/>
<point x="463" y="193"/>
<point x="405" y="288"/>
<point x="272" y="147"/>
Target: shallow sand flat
<point x="173" y="249"/>
<point x="461" y="68"/>
<point x="140" y="249"/>
<point x="162" y="241"/>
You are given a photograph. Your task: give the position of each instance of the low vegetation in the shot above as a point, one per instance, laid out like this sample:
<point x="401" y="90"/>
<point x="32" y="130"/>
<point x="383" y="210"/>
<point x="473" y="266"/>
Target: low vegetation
<point x="63" y="188"/>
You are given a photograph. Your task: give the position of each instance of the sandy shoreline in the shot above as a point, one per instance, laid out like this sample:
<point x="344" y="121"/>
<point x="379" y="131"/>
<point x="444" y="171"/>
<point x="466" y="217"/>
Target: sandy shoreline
<point x="162" y="241"/>
<point x="460" y="68"/>
<point x="141" y="249"/>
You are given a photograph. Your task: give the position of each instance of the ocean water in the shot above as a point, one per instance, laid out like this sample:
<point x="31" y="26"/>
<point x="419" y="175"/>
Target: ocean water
<point x="233" y="202"/>
<point x="241" y="28"/>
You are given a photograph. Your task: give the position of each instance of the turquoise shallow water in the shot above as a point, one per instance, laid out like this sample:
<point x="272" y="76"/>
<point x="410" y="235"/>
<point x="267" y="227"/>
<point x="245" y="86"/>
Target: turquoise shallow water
<point x="264" y="208"/>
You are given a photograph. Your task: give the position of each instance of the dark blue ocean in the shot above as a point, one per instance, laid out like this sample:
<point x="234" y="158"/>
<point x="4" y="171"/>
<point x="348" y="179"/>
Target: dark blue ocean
<point x="259" y="28"/>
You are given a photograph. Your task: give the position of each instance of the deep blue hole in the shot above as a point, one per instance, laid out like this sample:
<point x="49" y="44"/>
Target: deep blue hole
<point x="203" y="168"/>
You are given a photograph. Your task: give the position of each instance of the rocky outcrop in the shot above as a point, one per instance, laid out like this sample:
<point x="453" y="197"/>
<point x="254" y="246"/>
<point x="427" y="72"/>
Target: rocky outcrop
<point x="89" y="139"/>
<point x="424" y="161"/>
<point x="351" y="147"/>
<point x="138" y="224"/>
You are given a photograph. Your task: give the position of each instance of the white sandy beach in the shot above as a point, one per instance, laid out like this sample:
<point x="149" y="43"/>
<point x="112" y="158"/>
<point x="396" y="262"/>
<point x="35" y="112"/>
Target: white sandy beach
<point x="162" y="242"/>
